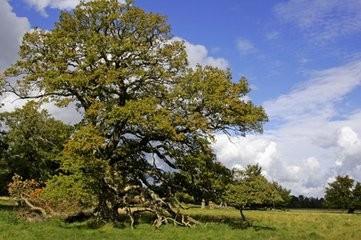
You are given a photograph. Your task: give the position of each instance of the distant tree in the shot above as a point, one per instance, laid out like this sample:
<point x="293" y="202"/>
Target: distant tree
<point x="343" y="193"/>
<point x="31" y="143"/>
<point x="305" y="202"/>
<point x="250" y="188"/>
<point x="356" y="194"/>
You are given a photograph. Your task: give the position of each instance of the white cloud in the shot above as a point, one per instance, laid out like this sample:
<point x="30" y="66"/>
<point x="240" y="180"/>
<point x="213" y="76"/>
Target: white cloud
<point x="348" y="140"/>
<point x="245" y="46"/>
<point x="317" y="96"/>
<point x="349" y="153"/>
<point x="236" y="151"/>
<point x="322" y="20"/>
<point x="69" y="114"/>
<point x="309" y="142"/>
<point x="198" y="54"/>
<point x="42" y="5"/>
<point x="12" y="29"/>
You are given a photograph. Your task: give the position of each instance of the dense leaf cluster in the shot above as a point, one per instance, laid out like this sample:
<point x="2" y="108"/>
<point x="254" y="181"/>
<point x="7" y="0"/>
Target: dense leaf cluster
<point x="343" y="193"/>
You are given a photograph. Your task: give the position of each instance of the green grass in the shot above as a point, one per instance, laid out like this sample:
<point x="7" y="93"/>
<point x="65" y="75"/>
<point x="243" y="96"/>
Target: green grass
<point x="217" y="224"/>
<point x="5" y="201"/>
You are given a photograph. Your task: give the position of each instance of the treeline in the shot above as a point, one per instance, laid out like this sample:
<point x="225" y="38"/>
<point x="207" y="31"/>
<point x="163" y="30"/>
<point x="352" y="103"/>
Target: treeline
<point x="305" y="202"/>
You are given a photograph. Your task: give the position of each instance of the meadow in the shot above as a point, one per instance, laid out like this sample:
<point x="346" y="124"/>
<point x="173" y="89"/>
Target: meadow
<point x="216" y="224"/>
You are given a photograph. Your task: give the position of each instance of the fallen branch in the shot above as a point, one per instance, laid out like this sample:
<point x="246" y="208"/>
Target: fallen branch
<point x="34" y="208"/>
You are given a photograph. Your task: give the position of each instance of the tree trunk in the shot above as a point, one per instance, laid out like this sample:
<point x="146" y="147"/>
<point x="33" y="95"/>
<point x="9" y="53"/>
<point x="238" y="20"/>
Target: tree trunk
<point x="243" y="218"/>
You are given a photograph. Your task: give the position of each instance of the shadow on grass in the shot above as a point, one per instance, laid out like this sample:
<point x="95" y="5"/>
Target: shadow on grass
<point x="124" y="222"/>
<point x="234" y="223"/>
<point x="147" y="218"/>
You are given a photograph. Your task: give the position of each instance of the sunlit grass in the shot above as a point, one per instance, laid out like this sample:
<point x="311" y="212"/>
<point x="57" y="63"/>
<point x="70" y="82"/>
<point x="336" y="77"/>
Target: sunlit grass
<point x="216" y="224"/>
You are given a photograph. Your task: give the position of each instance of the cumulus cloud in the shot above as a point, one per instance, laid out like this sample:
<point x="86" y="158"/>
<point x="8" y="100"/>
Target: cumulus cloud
<point x="322" y="19"/>
<point x="12" y="28"/>
<point x="349" y="154"/>
<point x="303" y="177"/>
<point x="42" y="5"/>
<point x="308" y="143"/>
<point x="240" y="151"/>
<point x="198" y="54"/>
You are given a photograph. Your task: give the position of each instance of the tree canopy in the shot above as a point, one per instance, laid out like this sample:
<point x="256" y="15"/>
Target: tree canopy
<point x="203" y="178"/>
<point x="145" y="111"/>
<point x="343" y="193"/>
<point x="251" y="188"/>
<point x="31" y="142"/>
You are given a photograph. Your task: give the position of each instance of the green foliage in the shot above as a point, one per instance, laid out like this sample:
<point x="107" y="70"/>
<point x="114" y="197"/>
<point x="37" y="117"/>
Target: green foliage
<point x="32" y="141"/>
<point x="356" y="196"/>
<point x="343" y="193"/>
<point x="250" y="188"/>
<point x="339" y="193"/>
<point x="284" y="193"/>
<point x="68" y="194"/>
<point x="203" y="177"/>
<point x="141" y="101"/>
<point x="76" y="189"/>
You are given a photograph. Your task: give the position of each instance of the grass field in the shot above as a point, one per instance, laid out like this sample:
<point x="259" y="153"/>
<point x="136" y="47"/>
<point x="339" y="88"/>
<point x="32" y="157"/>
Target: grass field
<point x="217" y="224"/>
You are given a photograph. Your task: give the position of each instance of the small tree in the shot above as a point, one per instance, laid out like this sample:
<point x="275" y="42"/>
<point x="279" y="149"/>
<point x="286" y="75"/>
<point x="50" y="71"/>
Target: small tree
<point x="30" y="143"/>
<point x="343" y="193"/>
<point x="250" y="188"/>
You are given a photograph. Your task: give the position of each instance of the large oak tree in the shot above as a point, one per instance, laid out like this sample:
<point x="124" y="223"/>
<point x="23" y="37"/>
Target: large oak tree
<point x="145" y="111"/>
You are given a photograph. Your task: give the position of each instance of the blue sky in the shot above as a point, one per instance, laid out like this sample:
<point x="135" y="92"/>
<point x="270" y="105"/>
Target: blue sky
<point x="280" y="54"/>
<point x="303" y="61"/>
